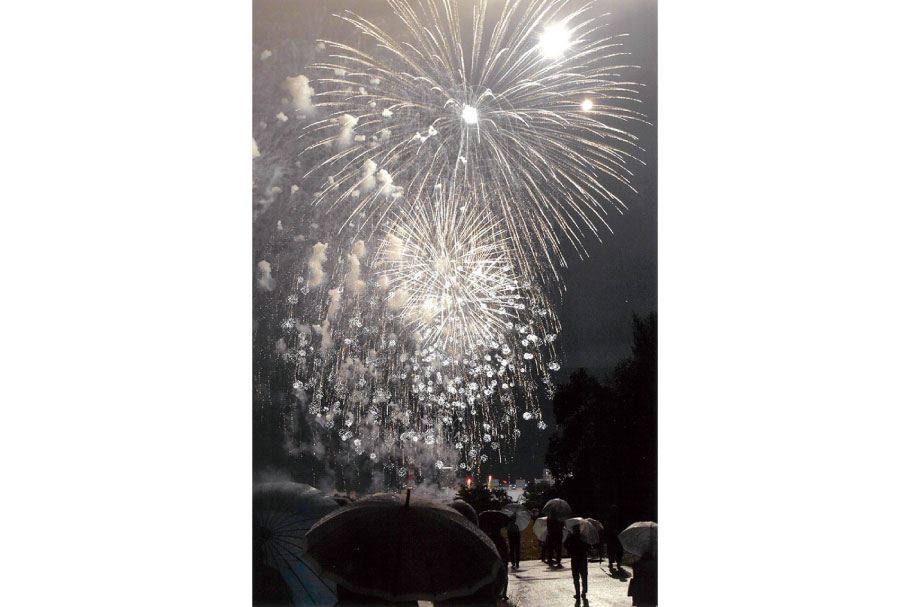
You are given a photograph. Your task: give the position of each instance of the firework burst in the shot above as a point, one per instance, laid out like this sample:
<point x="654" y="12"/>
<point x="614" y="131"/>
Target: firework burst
<point x="372" y="382"/>
<point x="450" y="274"/>
<point x="527" y="116"/>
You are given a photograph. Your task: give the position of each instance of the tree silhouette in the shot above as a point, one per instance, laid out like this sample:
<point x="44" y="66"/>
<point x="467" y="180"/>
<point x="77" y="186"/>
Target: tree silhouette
<point x="483" y="498"/>
<point x="537" y="493"/>
<point x="604" y="455"/>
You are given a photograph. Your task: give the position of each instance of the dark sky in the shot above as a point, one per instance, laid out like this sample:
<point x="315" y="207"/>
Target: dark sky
<point x="620" y="276"/>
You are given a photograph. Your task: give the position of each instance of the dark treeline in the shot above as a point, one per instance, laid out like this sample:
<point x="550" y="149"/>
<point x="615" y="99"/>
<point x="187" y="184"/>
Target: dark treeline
<point x="481" y="497"/>
<point x="603" y="456"/>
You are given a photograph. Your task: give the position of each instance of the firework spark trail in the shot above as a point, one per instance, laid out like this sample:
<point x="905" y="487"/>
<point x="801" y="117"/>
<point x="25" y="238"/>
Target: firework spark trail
<point x="524" y="121"/>
<point x="374" y="385"/>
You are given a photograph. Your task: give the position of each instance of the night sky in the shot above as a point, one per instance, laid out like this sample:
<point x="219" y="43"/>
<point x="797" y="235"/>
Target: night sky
<point x="619" y="278"/>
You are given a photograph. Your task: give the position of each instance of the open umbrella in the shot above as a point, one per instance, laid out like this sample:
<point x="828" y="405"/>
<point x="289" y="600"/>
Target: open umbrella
<point x="558" y="509"/>
<point x="587" y="531"/>
<point x="600" y="529"/>
<point x="466" y="510"/>
<point x="540" y="529"/>
<point x="522" y="516"/>
<point x="397" y="548"/>
<point x="639" y="538"/>
<point x="493" y="520"/>
<point x="282" y="514"/>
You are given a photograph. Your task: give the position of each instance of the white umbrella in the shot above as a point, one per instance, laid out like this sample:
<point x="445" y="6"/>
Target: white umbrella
<point x="522" y="516"/>
<point x="587" y="531"/>
<point x="639" y="538"/>
<point x="540" y="529"/>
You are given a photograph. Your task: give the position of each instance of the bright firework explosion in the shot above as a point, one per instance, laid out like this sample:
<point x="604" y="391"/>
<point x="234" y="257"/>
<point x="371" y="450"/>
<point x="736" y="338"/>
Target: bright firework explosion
<point x="526" y="117"/>
<point x="450" y="273"/>
<point x="377" y="384"/>
<point x="462" y="159"/>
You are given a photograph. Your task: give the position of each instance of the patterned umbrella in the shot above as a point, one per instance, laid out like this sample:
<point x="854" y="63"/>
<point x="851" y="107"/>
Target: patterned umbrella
<point x="282" y="514"/>
<point x="397" y="548"/>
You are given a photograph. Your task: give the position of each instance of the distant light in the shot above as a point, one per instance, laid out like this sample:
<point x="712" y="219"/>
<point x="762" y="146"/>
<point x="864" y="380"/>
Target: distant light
<point x="554" y="41"/>
<point x="469" y="114"/>
<point x="586" y="105"/>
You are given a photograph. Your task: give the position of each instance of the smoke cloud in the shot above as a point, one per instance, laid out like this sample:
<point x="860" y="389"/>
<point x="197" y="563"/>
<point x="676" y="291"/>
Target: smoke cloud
<point x="302" y="94"/>
<point x="368" y="176"/>
<point x="315" y="265"/>
<point x="265" y="280"/>
<point x="346" y="136"/>
<point x="388" y="188"/>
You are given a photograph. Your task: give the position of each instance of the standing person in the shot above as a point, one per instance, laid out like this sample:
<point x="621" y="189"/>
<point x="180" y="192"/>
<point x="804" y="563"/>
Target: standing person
<point x="514" y="534"/>
<point x="611" y="537"/>
<point x="554" y="541"/>
<point x="614" y="551"/>
<point x="503" y="550"/>
<point x="643" y="586"/>
<point x="578" y="554"/>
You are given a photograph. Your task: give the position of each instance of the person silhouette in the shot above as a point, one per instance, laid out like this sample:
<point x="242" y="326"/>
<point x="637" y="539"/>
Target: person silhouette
<point x="578" y="554"/>
<point x="554" y="541"/>
<point x="643" y="586"/>
<point x="503" y="550"/>
<point x="514" y="535"/>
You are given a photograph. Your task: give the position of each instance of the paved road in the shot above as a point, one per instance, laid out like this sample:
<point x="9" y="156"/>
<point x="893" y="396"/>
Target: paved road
<point x="535" y="584"/>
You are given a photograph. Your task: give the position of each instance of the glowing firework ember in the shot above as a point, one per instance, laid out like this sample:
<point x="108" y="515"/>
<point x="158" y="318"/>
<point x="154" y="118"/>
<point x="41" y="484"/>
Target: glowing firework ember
<point x="492" y="113"/>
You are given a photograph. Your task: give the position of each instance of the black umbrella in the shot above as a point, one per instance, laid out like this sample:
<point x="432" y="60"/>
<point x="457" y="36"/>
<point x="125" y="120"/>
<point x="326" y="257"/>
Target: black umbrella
<point x="558" y="509"/>
<point x="282" y="514"/>
<point x="400" y="549"/>
<point x="466" y="510"/>
<point x="493" y="520"/>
